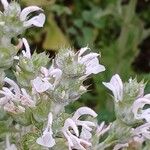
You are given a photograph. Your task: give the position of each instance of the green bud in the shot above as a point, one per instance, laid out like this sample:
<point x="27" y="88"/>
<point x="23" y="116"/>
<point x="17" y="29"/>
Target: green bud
<point x="66" y="61"/>
<point x="13" y="10"/>
<point x="68" y="91"/>
<point x="120" y="131"/>
<point x="133" y="89"/>
<point x="28" y="69"/>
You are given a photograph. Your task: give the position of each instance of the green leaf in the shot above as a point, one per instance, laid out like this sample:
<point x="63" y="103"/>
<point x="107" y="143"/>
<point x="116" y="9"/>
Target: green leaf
<point x="28" y="142"/>
<point x="23" y="118"/>
<point x="41" y="111"/>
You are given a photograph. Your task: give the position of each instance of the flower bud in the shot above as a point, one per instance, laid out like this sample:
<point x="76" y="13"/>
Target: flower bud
<point x="75" y="65"/>
<point x="29" y="67"/>
<point x="68" y="91"/>
<point x="124" y="95"/>
<point x="133" y="89"/>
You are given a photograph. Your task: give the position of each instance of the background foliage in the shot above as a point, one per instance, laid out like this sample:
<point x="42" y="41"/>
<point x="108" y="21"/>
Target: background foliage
<point x="118" y="29"/>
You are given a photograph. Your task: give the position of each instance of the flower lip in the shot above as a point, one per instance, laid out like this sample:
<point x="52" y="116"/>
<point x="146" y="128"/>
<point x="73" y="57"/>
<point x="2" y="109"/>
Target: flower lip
<point x="139" y="105"/>
<point x="26" y="11"/>
<point x="37" y="21"/>
<point x="84" y="111"/>
<point x="47" y="139"/>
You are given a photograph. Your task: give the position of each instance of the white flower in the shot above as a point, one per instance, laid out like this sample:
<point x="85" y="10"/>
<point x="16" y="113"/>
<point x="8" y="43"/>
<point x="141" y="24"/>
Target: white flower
<point x="37" y="20"/>
<point x="8" y="145"/>
<point x="138" y="108"/>
<point x="116" y="86"/>
<point x="48" y="79"/>
<point x="84" y="111"/>
<point x="47" y="139"/>
<point x="14" y="97"/>
<point x="90" y="61"/>
<point x="41" y="84"/>
<point x="76" y="140"/>
<point x="143" y="131"/>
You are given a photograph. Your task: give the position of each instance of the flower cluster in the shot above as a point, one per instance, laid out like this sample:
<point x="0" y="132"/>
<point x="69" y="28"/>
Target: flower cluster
<point x="76" y="140"/>
<point x="35" y="91"/>
<point x="14" y="99"/>
<point x="130" y="111"/>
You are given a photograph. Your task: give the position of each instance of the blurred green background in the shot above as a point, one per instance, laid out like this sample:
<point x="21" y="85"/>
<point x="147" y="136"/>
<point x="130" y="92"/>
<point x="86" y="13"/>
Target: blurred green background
<point x="118" y="29"/>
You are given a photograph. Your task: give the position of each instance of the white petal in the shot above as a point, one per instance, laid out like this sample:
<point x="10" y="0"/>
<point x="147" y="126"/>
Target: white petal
<point x="102" y="129"/>
<point x="85" y="134"/>
<point x="26" y="11"/>
<point x="112" y="88"/>
<point x="56" y="73"/>
<point x="82" y="50"/>
<point x="147" y="96"/>
<point x="85" y="124"/>
<point x="45" y="71"/>
<point x="116" y="86"/>
<point x="37" y="21"/>
<point x="87" y="58"/>
<point x="119" y="146"/>
<point x="70" y="123"/>
<point x="7" y="92"/>
<point x="78" y="143"/>
<point x="5" y="4"/>
<point x="144" y="130"/>
<point x="14" y="85"/>
<point x="95" y="69"/>
<point x="139" y="104"/>
<point x="26" y="54"/>
<point x="145" y="114"/>
<point x="41" y="85"/>
<point x="84" y="111"/>
<point x="46" y="140"/>
<point x="117" y="82"/>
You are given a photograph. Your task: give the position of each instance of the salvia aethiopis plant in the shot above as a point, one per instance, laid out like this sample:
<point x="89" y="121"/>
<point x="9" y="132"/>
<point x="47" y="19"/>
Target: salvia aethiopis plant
<point x="33" y="100"/>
